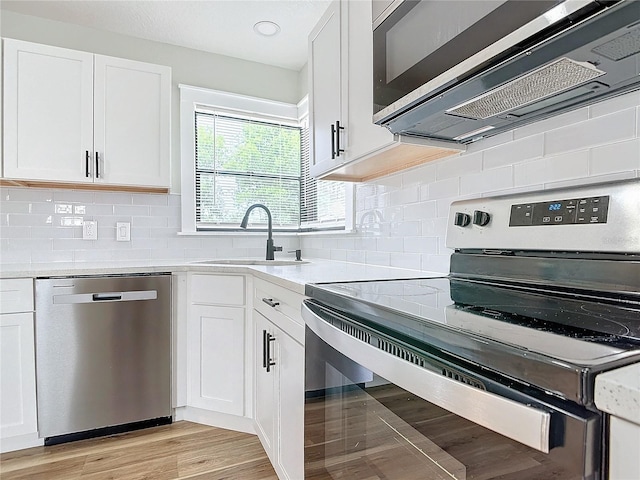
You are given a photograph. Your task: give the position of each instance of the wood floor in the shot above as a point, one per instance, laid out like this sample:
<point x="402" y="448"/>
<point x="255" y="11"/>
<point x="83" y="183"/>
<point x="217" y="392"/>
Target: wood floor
<point x="182" y="450"/>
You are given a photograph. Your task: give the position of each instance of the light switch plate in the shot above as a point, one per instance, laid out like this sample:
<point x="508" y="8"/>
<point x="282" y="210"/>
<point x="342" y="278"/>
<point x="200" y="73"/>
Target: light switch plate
<point x="90" y="230"/>
<point x="123" y="231"/>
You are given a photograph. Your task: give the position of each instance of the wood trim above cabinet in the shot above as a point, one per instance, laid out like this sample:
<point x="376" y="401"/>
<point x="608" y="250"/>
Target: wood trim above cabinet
<point x="400" y="155"/>
<point x="4" y="182"/>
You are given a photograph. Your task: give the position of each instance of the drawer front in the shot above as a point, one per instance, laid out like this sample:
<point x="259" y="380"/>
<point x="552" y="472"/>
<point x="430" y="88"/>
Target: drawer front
<point x="281" y="306"/>
<point x="16" y="295"/>
<point x="218" y="289"/>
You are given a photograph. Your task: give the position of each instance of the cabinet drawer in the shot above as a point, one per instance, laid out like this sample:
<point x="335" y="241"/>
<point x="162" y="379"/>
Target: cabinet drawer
<point x="16" y="295"/>
<point x="217" y="289"/>
<point x="284" y="310"/>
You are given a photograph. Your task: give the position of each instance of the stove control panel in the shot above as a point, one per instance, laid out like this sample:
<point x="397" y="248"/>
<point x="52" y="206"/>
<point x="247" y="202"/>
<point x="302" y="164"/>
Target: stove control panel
<point x="561" y="212"/>
<point x="597" y="217"/>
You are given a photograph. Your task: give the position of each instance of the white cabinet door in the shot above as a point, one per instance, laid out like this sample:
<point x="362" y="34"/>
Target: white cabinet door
<point x="132" y="138"/>
<point x="325" y="97"/>
<point x="17" y="375"/>
<point x="364" y="136"/>
<point x="290" y="372"/>
<point x="216" y="365"/>
<point x="264" y="388"/>
<point x="48" y="113"/>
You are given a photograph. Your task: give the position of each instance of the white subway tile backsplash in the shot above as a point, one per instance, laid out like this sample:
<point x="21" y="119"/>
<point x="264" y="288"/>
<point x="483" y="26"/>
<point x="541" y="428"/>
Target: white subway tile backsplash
<point x="418" y="211"/>
<point x="73" y="196"/>
<point x="615" y="157"/>
<point x="514" y="152"/>
<point x="131" y="210"/>
<point x="419" y="175"/>
<point x="356" y="256"/>
<point x="113" y="198"/>
<point x="629" y="100"/>
<point x="444" y="188"/>
<point x="27" y="195"/>
<point x="552" y="123"/>
<point x="405" y="229"/>
<point x="421" y="245"/>
<point x="602" y="130"/>
<point x="494" y="179"/>
<point x="142" y="199"/>
<point x="405" y="260"/>
<point x="548" y="169"/>
<point x="378" y="258"/>
<point x="408" y="195"/>
<point x="458" y="166"/>
<point x="611" y="177"/>
<point x="27" y="220"/>
<point x="490" y="142"/>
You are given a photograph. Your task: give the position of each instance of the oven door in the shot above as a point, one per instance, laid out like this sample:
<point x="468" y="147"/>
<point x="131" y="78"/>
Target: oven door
<point x="375" y="409"/>
<point x="416" y="42"/>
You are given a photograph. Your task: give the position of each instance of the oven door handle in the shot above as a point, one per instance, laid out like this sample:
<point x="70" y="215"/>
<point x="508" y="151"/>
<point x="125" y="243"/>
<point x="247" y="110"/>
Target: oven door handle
<point x="522" y="423"/>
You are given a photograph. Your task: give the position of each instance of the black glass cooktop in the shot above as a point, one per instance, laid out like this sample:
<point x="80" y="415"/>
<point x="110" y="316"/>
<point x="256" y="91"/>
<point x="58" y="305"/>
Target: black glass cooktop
<point x="529" y="333"/>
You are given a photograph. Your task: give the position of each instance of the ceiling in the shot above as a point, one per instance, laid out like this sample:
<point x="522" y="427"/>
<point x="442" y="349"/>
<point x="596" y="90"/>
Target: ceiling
<point x="218" y="26"/>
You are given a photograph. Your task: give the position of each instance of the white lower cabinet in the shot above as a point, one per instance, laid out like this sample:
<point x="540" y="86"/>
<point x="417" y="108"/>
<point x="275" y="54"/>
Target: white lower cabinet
<point x="279" y="377"/>
<point x="217" y="366"/>
<point x="216" y="349"/>
<point x="18" y="418"/>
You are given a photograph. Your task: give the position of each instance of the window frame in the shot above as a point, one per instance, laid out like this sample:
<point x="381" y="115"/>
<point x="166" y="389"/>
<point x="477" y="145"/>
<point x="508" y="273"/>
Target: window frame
<point x="253" y="108"/>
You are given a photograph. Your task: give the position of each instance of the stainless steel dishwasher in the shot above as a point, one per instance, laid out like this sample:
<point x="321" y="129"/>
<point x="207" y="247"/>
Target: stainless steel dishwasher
<point x="103" y="355"/>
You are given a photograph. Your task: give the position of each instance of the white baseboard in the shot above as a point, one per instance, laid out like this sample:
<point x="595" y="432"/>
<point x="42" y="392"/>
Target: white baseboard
<point x="214" y="419"/>
<point x="19" y="442"/>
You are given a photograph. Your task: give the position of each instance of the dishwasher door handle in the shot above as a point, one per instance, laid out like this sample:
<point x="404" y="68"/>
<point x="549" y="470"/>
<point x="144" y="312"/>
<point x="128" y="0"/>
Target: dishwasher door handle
<point x="72" y="298"/>
<point x="103" y="297"/>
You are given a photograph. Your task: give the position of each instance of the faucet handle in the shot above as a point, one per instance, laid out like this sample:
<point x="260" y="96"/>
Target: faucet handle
<point x="298" y="254"/>
<point x="277" y="249"/>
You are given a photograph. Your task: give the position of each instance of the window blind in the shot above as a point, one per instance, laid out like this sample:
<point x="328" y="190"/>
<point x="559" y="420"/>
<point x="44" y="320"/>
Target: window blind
<point x="240" y="161"/>
<point x="322" y="201"/>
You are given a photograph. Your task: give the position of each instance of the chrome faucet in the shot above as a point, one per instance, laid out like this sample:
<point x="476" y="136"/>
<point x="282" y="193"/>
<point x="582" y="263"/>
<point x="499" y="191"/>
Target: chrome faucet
<point x="245" y="220"/>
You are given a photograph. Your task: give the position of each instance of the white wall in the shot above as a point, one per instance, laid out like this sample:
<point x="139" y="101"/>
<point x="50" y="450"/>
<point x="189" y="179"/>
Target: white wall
<point x="402" y="219"/>
<point x="192" y="67"/>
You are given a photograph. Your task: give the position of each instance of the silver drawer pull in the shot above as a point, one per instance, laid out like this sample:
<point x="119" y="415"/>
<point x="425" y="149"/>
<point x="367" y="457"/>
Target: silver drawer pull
<point x="270" y="302"/>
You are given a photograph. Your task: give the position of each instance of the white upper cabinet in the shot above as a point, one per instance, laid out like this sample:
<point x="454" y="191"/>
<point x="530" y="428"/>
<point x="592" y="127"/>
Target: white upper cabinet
<point x="73" y="116"/>
<point x="346" y="144"/>
<point x="341" y="88"/>
<point x="326" y="106"/>
<point x="48" y="112"/>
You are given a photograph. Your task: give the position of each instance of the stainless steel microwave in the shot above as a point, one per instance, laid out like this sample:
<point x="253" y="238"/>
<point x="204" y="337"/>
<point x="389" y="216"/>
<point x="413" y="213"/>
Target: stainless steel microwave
<point x="462" y="69"/>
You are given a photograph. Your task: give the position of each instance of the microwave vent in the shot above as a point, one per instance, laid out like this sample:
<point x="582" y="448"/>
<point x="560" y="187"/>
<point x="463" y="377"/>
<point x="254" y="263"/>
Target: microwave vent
<point x="620" y="47"/>
<point x="553" y="78"/>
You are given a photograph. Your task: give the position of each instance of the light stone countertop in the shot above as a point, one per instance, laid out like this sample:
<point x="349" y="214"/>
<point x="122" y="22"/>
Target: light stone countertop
<point x="618" y="393"/>
<point x="292" y="277"/>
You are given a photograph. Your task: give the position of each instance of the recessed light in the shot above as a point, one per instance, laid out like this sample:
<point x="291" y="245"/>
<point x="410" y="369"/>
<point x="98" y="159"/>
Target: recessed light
<point x="266" y="28"/>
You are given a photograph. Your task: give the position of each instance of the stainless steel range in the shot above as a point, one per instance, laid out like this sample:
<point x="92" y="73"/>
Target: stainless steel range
<point x="490" y="371"/>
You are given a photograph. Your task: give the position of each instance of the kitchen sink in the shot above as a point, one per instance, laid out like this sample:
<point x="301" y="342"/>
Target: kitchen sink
<point x="251" y="261"/>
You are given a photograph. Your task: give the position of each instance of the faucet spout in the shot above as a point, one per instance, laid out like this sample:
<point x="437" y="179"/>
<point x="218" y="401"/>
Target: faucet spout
<point x="245" y="220"/>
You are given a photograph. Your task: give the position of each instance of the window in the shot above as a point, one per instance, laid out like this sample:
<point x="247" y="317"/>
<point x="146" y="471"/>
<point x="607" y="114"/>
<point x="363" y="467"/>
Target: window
<point x="240" y="162"/>
<point x="239" y="151"/>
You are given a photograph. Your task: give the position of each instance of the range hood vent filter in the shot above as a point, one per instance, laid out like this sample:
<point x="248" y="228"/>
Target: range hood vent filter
<point x="544" y="82"/>
<point x="622" y="47"/>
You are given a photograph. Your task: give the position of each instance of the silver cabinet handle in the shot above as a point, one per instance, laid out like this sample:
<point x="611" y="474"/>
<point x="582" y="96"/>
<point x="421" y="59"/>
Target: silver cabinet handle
<point x="483" y="408"/>
<point x="270" y="302"/>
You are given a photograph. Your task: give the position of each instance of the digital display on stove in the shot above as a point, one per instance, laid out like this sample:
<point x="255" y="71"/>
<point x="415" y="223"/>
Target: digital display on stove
<point x="575" y="211"/>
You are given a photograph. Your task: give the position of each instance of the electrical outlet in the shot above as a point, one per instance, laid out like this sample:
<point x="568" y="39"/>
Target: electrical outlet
<point x="90" y="230"/>
<point x="123" y="231"/>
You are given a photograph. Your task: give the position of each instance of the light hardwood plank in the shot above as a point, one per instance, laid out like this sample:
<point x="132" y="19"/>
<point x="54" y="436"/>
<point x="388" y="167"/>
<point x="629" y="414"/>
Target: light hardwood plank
<point x="170" y="452"/>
